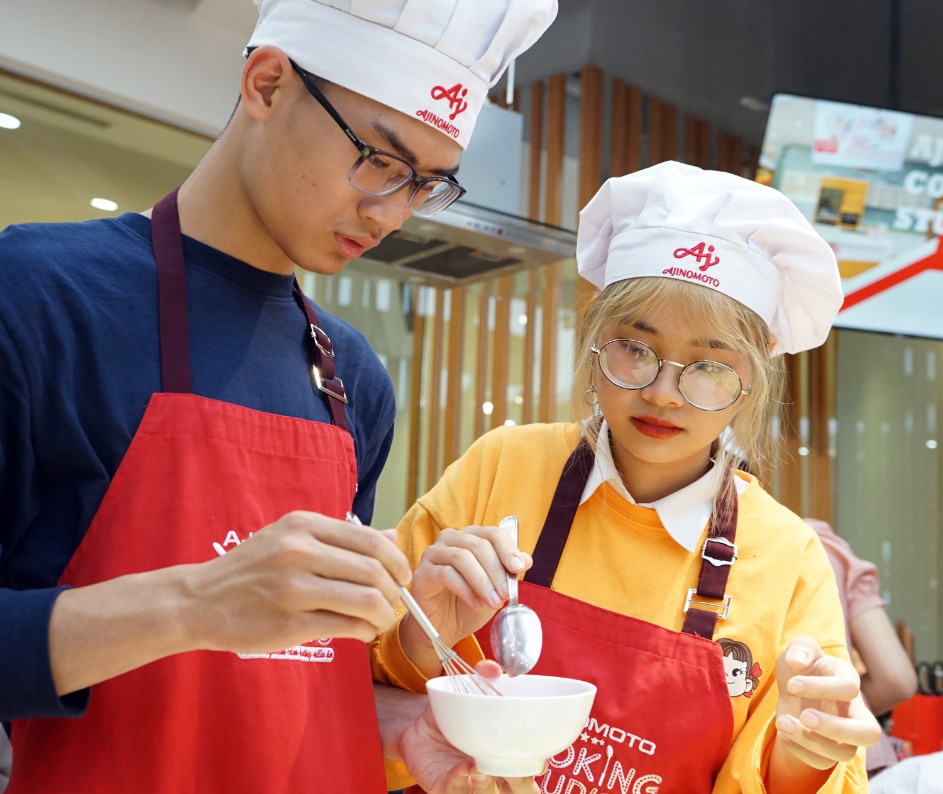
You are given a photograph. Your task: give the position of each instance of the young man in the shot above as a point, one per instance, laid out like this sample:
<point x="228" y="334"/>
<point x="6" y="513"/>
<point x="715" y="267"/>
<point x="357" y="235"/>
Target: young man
<point x="168" y="396"/>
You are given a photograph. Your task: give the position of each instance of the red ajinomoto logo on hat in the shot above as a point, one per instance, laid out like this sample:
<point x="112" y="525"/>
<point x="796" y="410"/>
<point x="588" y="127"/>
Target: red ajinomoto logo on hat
<point x="699" y="253"/>
<point x="439" y="123"/>
<point x="702" y="254"/>
<point x="455" y="95"/>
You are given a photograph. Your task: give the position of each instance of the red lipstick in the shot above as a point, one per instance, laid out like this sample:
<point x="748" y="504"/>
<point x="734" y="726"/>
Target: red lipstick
<point x="653" y="427"/>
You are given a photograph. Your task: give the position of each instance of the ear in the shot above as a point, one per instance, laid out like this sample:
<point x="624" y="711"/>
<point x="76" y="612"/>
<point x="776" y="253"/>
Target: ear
<point x="267" y="71"/>
<point x="749" y="687"/>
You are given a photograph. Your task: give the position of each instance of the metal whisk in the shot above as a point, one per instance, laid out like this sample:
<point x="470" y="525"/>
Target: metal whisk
<point x="461" y="674"/>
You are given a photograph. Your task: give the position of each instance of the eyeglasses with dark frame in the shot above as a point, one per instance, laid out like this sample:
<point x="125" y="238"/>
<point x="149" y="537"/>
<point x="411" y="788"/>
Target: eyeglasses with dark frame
<point x="707" y="385"/>
<point x="379" y="173"/>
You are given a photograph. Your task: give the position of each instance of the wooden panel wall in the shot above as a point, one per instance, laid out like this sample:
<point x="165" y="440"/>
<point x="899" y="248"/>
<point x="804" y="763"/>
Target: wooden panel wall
<point x="703" y="146"/>
<point x="533" y="277"/>
<point x="552" y="274"/>
<point x="530" y="347"/>
<point x="590" y="174"/>
<point x="625" y="152"/>
<point x="690" y="139"/>
<point x="669" y="132"/>
<point x="556" y="134"/>
<point x="723" y="151"/>
<point x="591" y="112"/>
<point x="415" y="389"/>
<point x="805" y="462"/>
<point x="788" y="462"/>
<point x="454" y="369"/>
<point x="434" y="402"/>
<point x="634" y="109"/>
<point x="484" y="347"/>
<point x="500" y="360"/>
<point x="655" y="137"/>
<point x="550" y="309"/>
<point x="619" y="131"/>
<point x="536" y="148"/>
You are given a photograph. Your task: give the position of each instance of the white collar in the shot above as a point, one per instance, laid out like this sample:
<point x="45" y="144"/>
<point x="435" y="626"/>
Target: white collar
<point x="684" y="513"/>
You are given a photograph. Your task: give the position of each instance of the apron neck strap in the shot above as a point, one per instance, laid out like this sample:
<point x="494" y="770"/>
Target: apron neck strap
<point x="719" y="551"/>
<point x="175" y="372"/>
<point x="321" y="355"/>
<point x="556" y="529"/>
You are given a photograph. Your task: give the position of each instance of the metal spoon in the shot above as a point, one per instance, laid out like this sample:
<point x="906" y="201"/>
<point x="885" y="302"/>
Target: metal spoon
<point x="516" y="635"/>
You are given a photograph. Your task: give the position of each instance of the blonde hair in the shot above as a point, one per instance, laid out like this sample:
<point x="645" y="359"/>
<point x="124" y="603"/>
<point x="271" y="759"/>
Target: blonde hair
<point x="732" y="323"/>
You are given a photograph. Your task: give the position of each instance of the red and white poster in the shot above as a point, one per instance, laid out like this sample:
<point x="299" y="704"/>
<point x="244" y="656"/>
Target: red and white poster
<point x="871" y="182"/>
<point x="851" y="136"/>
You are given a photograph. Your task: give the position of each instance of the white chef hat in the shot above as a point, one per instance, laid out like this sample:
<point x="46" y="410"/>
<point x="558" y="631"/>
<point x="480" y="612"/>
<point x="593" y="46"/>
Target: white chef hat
<point x="724" y="232"/>
<point x="430" y="59"/>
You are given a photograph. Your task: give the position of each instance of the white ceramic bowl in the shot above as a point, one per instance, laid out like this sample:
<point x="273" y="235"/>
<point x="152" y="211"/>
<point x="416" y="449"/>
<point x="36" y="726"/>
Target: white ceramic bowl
<point x="512" y="736"/>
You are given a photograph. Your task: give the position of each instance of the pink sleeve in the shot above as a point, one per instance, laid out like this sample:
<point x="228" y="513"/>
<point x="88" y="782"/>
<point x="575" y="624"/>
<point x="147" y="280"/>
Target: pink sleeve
<point x="858" y="582"/>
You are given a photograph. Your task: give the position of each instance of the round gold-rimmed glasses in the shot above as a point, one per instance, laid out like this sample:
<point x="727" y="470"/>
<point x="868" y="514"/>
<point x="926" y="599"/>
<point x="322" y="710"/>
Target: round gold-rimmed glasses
<point x="708" y="385"/>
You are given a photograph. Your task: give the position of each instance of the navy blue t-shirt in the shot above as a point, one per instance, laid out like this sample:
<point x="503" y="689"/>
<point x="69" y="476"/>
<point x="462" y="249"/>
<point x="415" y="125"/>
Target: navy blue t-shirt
<point x="79" y="360"/>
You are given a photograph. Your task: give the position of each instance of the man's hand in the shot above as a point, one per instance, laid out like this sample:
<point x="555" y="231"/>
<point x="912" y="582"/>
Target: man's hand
<point x="303" y="577"/>
<point x="820" y="717"/>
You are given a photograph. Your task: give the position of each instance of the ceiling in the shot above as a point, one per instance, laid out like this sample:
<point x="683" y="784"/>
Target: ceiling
<point x="705" y="55"/>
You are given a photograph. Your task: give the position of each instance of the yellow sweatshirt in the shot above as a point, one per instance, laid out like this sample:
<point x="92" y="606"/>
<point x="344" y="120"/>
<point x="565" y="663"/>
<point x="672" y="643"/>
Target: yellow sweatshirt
<point x="619" y="557"/>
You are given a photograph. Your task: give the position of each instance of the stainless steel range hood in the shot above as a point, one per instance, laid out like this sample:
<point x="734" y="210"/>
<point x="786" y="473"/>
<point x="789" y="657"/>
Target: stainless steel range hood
<point x="468" y="243"/>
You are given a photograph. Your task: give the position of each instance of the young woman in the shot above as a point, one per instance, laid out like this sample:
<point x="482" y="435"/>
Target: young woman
<point x="647" y="553"/>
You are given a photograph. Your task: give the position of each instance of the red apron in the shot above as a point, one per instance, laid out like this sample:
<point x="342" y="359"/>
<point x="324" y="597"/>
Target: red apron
<point x="662" y="719"/>
<point x="198" y="478"/>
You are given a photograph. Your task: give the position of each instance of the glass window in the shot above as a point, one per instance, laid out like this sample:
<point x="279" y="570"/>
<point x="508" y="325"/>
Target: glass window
<point x="888" y="472"/>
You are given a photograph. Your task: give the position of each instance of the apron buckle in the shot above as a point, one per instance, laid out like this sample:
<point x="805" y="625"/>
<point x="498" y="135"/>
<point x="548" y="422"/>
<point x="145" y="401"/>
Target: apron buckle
<point x="722" y="614"/>
<point x="322" y="385"/>
<point x="719" y="561"/>
<point x="328" y="349"/>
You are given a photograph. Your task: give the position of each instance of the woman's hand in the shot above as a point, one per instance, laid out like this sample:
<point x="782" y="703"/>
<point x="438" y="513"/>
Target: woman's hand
<point x="820" y="717"/>
<point x="461" y="581"/>
<point x="441" y="769"/>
